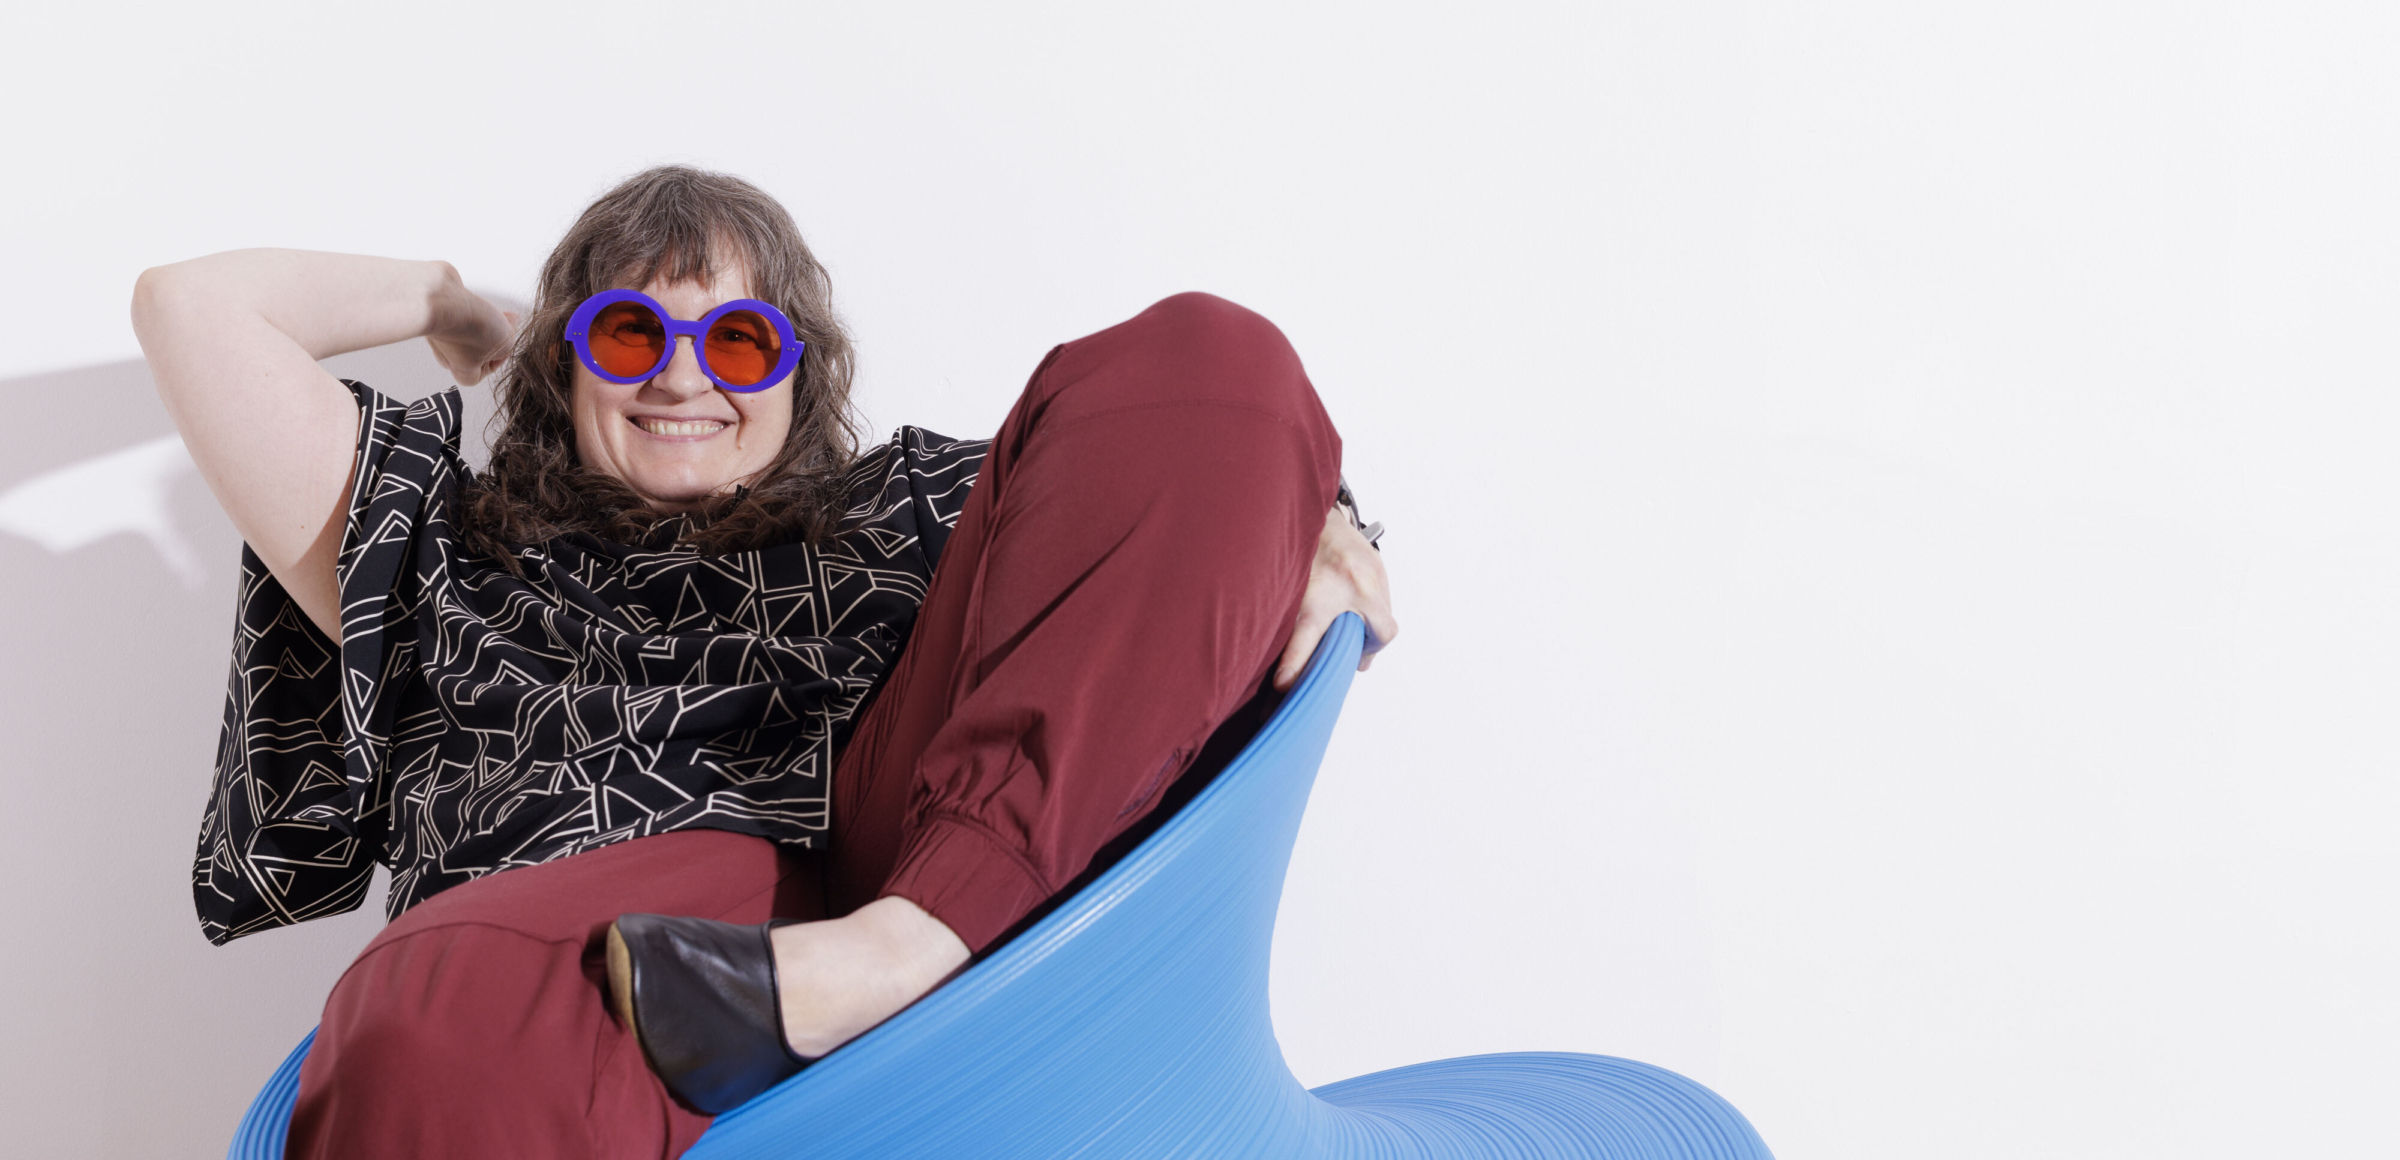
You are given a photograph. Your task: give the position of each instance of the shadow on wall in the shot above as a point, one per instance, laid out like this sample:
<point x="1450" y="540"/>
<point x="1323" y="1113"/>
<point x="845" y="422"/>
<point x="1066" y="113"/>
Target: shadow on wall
<point x="127" y="1034"/>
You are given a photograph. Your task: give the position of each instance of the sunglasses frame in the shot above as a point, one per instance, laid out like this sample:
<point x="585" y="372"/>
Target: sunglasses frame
<point x="579" y="328"/>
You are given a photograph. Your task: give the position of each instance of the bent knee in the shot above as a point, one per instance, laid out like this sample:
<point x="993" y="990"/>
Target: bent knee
<point x="1192" y="348"/>
<point x="1230" y="348"/>
<point x="1208" y="318"/>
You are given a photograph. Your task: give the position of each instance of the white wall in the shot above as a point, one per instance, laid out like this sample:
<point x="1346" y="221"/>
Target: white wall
<point x="1890" y="504"/>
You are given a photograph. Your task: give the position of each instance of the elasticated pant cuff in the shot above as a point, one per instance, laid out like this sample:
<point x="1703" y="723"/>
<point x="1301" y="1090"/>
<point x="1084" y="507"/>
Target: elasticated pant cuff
<point x="964" y="875"/>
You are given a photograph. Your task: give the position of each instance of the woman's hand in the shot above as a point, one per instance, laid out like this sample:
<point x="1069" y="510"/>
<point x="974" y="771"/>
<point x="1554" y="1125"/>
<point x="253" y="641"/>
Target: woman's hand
<point x="1347" y="576"/>
<point x="470" y="337"/>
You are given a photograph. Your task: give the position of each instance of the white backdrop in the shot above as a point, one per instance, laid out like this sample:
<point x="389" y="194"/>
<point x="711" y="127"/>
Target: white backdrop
<point x="1890" y="504"/>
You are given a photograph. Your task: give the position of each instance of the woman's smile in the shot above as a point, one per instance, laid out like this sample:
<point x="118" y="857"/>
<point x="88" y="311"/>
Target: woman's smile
<point x="678" y="430"/>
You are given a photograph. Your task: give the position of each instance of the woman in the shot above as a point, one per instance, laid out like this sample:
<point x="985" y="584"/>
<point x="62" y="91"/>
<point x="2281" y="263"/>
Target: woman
<point x="627" y="664"/>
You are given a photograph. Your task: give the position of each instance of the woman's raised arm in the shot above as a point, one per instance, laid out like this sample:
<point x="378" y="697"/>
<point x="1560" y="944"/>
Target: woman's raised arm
<point x="233" y="341"/>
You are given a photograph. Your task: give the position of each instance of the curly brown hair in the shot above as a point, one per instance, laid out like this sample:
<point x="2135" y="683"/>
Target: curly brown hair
<point x="682" y="224"/>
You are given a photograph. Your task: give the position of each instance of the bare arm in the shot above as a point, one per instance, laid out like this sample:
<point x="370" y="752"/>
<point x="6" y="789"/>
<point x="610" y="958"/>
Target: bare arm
<point x="233" y="341"/>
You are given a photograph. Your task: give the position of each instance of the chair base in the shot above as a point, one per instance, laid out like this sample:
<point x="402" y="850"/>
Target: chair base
<point x="1535" y="1104"/>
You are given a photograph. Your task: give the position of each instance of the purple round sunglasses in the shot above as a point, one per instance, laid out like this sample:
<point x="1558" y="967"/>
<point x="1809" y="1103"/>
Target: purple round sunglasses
<point x="625" y="336"/>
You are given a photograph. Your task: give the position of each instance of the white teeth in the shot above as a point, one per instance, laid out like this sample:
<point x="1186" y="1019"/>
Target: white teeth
<point x="670" y="427"/>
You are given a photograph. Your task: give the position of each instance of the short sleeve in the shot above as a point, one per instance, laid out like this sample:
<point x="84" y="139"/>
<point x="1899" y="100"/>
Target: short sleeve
<point x="299" y="806"/>
<point x="940" y="473"/>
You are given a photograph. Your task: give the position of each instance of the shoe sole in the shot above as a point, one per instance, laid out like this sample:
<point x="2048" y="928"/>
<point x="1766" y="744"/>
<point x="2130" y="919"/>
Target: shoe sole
<point x="620" y="986"/>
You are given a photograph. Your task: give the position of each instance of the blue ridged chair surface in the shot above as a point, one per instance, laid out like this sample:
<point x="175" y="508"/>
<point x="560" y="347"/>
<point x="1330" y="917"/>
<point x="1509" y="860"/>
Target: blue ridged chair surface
<point x="1132" y="1022"/>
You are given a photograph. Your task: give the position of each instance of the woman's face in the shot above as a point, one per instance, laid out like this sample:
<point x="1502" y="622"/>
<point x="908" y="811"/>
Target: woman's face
<point x="677" y="439"/>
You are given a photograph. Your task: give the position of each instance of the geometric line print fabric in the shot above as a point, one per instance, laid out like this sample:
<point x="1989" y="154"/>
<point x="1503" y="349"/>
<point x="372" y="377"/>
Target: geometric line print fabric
<point x="473" y="721"/>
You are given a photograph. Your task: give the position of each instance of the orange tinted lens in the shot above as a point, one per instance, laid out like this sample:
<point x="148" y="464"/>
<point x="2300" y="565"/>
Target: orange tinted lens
<point x="743" y="347"/>
<point x="627" y="340"/>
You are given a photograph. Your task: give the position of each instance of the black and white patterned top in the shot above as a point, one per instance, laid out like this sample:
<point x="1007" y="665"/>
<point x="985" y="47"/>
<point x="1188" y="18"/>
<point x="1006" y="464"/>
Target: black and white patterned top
<point x="472" y="721"/>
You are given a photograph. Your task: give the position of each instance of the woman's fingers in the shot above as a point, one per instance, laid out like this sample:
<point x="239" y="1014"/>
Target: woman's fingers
<point x="1305" y="634"/>
<point x="1346" y="576"/>
<point x="472" y="335"/>
<point x="1370" y="590"/>
<point x="1374" y="605"/>
<point x="514" y="321"/>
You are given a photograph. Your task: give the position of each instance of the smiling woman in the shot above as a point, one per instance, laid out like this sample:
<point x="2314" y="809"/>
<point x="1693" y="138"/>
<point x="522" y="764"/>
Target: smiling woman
<point x="603" y="709"/>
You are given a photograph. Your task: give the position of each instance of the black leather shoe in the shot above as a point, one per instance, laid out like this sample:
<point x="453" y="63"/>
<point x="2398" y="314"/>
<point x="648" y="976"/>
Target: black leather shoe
<point x="699" y="996"/>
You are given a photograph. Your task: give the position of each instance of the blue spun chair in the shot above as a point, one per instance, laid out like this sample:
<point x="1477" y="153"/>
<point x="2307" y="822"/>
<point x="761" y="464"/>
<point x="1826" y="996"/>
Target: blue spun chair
<point x="1132" y="1022"/>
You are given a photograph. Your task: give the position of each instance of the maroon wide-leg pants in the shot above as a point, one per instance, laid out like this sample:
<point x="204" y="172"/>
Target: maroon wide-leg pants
<point x="1123" y="577"/>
